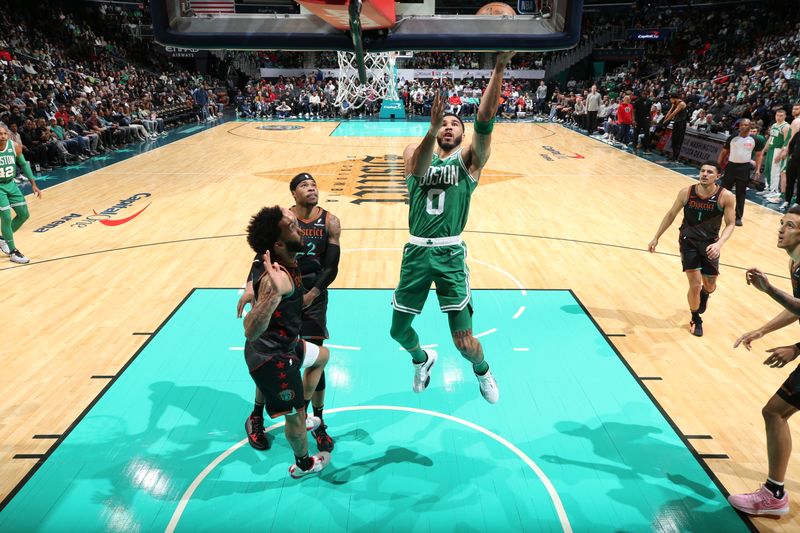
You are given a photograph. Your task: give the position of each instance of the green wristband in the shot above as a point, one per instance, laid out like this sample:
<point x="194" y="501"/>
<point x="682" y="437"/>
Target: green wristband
<point x="484" y="128"/>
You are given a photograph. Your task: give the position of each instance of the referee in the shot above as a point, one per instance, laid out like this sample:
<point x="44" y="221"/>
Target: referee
<point x="739" y="151"/>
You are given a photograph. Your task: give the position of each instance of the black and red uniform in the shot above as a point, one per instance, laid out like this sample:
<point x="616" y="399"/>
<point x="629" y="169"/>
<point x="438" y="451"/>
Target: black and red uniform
<point x="275" y="358"/>
<point x="702" y="219"/>
<point x="311" y="261"/>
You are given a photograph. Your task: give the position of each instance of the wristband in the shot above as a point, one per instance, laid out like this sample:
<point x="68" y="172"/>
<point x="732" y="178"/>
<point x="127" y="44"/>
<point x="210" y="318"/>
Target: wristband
<point x="484" y="128"/>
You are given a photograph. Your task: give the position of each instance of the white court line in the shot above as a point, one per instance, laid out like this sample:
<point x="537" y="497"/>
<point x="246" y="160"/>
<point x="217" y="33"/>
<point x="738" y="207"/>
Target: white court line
<point x="424" y="347"/>
<point x="512" y="278"/>
<point x="548" y="485"/>
<point x="236" y="348"/>
<point x="519" y="312"/>
<point x="342" y="347"/>
<point x="487" y="332"/>
<point x="522" y="349"/>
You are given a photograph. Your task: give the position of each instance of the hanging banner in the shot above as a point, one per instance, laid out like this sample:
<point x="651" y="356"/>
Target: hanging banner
<point x="409" y="74"/>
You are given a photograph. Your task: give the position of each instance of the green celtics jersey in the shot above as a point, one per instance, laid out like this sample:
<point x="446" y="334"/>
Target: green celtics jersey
<point x="8" y="161"/>
<point x="439" y="201"/>
<point x="777" y="138"/>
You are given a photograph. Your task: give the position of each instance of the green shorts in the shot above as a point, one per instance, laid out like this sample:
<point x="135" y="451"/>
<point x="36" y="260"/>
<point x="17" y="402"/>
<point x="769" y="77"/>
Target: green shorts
<point x="10" y="196"/>
<point x="445" y="266"/>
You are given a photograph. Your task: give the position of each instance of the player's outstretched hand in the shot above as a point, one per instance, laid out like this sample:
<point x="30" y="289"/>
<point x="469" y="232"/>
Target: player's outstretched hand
<point x="781" y="356"/>
<point x="652" y="246"/>
<point x="246" y="298"/>
<point x="504" y="58"/>
<point x="747" y="338"/>
<point x="757" y="279"/>
<point x="437" y="109"/>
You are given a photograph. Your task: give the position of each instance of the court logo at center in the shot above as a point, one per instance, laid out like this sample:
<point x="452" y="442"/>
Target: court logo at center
<point x="370" y="179"/>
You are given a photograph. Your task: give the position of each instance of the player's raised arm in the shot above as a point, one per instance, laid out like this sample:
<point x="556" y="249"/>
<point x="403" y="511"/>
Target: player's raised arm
<point x="417" y="160"/>
<point x="275" y="284"/>
<point x="478" y="152"/>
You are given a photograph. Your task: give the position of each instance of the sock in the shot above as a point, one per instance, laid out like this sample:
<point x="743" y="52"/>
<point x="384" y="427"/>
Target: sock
<point x="481" y="368"/>
<point x="775" y="488"/>
<point x="258" y="410"/>
<point x="696" y="317"/>
<point x="304" y="462"/>
<point x="318" y="411"/>
<point x="704" y="294"/>
<point x="306" y="405"/>
<point x="418" y="355"/>
<point x="5" y="228"/>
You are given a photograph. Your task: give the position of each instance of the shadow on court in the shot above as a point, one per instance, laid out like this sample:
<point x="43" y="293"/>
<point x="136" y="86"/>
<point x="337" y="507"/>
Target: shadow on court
<point x="649" y="475"/>
<point x="632" y="319"/>
<point x="394" y="454"/>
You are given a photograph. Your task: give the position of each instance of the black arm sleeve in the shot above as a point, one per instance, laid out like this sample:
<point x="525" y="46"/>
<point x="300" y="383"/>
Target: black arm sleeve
<point x="256" y="270"/>
<point x="330" y="268"/>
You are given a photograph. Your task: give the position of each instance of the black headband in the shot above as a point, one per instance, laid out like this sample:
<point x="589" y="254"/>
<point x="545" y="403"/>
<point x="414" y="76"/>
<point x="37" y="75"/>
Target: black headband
<point x="297" y="180"/>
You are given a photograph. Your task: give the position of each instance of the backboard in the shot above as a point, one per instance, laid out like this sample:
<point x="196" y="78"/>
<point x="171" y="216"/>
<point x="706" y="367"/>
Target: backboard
<point x="186" y="24"/>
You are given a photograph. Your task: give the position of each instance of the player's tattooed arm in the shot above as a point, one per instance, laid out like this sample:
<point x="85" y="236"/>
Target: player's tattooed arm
<point x="274" y="285"/>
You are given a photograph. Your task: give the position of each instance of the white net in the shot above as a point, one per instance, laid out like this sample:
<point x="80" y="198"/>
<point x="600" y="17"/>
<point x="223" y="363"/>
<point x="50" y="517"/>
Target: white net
<point x="381" y="79"/>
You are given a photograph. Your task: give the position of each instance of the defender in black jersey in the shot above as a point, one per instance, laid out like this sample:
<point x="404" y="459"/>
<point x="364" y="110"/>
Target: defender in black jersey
<point x="319" y="265"/>
<point x="274" y="352"/>
<point x="771" y="498"/>
<point x="704" y="206"/>
<point x="318" y="262"/>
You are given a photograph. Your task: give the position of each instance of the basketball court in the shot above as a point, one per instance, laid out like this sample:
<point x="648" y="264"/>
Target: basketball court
<point x="123" y="386"/>
<point x="124" y="389"/>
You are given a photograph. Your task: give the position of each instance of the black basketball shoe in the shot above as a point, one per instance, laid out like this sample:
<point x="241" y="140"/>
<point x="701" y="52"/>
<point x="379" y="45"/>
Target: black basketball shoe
<point x="254" y="426"/>
<point x="324" y="441"/>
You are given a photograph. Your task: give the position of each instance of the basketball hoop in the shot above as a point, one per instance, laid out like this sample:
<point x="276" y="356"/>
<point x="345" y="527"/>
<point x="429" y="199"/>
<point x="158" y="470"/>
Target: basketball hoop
<point x="381" y="79"/>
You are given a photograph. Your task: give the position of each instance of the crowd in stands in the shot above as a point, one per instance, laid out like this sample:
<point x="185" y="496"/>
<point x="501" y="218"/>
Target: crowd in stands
<point x="69" y="92"/>
<point x="725" y="64"/>
<point x="311" y="96"/>
<point x="77" y="83"/>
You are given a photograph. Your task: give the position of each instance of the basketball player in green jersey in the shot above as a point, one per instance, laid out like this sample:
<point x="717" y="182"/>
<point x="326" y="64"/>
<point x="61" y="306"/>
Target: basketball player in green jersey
<point x="441" y="176"/>
<point x="10" y="195"/>
<point x="778" y="137"/>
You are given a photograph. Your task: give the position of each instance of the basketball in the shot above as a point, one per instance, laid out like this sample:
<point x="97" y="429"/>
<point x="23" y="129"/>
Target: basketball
<point x="497" y="8"/>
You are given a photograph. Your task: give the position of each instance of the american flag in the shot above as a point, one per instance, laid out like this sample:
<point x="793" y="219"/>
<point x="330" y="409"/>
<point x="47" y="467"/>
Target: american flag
<point x="204" y="7"/>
